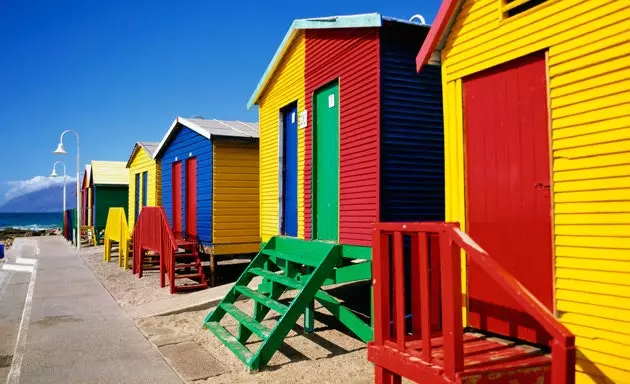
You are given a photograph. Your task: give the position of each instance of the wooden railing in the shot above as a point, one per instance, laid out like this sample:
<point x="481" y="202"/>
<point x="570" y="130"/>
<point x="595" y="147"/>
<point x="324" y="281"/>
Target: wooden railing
<point x="447" y="240"/>
<point x="152" y="233"/>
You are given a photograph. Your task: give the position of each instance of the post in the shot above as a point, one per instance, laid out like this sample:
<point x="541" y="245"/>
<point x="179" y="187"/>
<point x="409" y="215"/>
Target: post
<point x="79" y="210"/>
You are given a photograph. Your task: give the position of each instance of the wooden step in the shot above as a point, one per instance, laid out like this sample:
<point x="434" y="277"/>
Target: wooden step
<point x="246" y="320"/>
<point x="286" y="281"/>
<point x="485" y="359"/>
<point x="294" y="257"/>
<point x="189" y="276"/>
<point x="262" y="299"/>
<point x="241" y="351"/>
<point x="191" y="287"/>
<point x="191" y="265"/>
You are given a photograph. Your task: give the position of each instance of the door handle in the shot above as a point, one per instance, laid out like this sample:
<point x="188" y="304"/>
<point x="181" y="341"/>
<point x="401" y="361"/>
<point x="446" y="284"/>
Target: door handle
<point x="542" y="186"/>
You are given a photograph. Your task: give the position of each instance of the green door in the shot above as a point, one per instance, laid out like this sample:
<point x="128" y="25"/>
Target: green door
<point x="326" y="151"/>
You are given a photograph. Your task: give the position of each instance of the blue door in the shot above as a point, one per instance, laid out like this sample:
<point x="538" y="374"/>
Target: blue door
<point x="289" y="170"/>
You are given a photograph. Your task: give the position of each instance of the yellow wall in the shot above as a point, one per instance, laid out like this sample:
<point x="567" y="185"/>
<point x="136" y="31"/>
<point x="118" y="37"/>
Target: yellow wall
<point x="285" y="87"/>
<point x="588" y="45"/>
<point x="142" y="162"/>
<point x="235" y="204"/>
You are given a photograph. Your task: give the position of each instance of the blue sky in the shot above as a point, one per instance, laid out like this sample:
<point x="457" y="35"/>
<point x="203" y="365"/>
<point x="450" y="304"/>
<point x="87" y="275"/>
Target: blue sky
<point x="120" y="71"/>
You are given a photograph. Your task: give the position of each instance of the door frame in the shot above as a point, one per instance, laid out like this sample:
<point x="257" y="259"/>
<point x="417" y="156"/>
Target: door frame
<point x="314" y="167"/>
<point x="282" y="161"/>
<point x="460" y="108"/>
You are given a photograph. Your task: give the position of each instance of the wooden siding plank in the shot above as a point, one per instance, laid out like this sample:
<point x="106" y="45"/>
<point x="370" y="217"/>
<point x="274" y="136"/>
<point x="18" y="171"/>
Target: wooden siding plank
<point x="593" y="230"/>
<point x="594" y="276"/>
<point x="611" y="244"/>
<point x="598" y="251"/>
<point x="591" y="287"/>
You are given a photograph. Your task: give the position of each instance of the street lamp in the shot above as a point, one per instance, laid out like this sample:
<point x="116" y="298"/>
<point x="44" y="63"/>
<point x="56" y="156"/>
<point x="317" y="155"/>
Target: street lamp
<point x="61" y="151"/>
<point x="54" y="174"/>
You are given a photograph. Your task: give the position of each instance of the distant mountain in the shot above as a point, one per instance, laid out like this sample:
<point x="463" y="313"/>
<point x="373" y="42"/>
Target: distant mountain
<point x="44" y="200"/>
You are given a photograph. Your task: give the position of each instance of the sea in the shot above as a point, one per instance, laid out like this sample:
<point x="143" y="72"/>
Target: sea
<point x="31" y="221"/>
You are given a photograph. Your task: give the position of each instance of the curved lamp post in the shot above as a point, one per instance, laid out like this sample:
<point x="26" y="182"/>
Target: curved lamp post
<point x="54" y="174"/>
<point x="61" y="151"/>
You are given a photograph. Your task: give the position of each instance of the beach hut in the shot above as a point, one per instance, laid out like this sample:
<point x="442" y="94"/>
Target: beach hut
<point x="145" y="185"/>
<point x="350" y="134"/>
<point x="107" y="188"/>
<point x="209" y="171"/>
<point x="537" y="132"/>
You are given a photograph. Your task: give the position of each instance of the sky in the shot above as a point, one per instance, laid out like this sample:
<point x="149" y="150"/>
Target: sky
<point x="118" y="72"/>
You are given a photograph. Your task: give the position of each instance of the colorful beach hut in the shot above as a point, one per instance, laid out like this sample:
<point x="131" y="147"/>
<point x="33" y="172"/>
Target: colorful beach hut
<point x="145" y="184"/>
<point x="108" y="187"/>
<point x="536" y="101"/>
<point x="350" y="134"/>
<point x="209" y="171"/>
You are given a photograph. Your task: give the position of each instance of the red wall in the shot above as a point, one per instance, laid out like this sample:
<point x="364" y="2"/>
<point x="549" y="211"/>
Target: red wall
<point x="352" y="55"/>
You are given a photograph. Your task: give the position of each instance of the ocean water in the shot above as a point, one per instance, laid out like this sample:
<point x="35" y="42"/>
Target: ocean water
<point x="31" y="221"/>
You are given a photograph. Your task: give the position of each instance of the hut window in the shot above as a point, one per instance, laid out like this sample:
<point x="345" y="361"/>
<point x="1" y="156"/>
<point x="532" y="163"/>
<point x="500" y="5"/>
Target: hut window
<point x="514" y="7"/>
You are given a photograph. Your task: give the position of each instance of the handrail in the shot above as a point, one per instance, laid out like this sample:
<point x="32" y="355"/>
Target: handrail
<point x="514" y="288"/>
<point x="153" y="232"/>
<point x="389" y="292"/>
<point x="563" y="346"/>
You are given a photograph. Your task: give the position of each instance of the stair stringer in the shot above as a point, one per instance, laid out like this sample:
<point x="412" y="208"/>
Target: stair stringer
<point x="298" y="305"/>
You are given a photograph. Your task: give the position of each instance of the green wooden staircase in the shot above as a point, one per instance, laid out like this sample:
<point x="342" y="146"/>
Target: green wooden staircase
<point x="286" y="264"/>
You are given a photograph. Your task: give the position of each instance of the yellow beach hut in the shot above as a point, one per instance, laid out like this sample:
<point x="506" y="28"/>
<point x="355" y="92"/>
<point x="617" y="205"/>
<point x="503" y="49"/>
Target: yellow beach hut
<point x="537" y="156"/>
<point x="144" y="179"/>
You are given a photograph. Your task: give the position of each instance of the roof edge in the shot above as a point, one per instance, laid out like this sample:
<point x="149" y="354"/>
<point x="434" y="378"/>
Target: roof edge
<point x="438" y="29"/>
<point x="133" y="153"/>
<point x="366" y="20"/>
<point x="181" y="121"/>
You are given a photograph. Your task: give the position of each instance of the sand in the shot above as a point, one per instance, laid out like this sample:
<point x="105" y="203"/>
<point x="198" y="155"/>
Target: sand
<point x="128" y="290"/>
<point x="330" y="355"/>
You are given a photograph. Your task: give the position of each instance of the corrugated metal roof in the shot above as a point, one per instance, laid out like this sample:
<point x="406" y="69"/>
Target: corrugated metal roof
<point x="149" y="146"/>
<point x="367" y="20"/>
<point x="211" y="127"/>
<point x="109" y="172"/>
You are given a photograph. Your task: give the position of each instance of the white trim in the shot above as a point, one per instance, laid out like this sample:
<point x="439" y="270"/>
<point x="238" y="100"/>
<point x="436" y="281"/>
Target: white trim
<point x="187" y="124"/>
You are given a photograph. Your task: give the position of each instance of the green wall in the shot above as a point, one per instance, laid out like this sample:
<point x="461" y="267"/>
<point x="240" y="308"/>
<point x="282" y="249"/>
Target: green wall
<point x="106" y="197"/>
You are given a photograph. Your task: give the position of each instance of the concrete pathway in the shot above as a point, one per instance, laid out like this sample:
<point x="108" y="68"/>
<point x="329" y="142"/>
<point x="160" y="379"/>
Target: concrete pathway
<point x="59" y="325"/>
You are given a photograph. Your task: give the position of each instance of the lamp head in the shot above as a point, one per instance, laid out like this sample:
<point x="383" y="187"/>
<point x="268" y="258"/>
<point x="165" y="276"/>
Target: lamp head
<point x="54" y="173"/>
<point x="60" y="150"/>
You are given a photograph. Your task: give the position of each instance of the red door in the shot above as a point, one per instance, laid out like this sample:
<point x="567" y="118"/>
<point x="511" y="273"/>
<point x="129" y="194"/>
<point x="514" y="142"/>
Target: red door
<point x="177" y="198"/>
<point x="507" y="190"/>
<point x="191" y="198"/>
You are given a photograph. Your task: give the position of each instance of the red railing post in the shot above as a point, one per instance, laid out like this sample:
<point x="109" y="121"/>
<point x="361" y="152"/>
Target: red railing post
<point x="399" y="291"/>
<point x="425" y="295"/>
<point x="563" y="362"/>
<point x="452" y="328"/>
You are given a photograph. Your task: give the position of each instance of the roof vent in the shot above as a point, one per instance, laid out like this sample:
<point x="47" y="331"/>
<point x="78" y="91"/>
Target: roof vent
<point x="419" y="17"/>
<point x="197" y="117"/>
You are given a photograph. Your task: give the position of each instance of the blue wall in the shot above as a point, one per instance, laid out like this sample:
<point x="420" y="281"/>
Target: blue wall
<point x="183" y="142"/>
<point x="412" y="131"/>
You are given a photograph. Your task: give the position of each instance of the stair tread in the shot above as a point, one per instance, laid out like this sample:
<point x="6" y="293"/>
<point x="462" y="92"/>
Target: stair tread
<point x="262" y="299"/>
<point x="190" y="265"/>
<point x="286" y="281"/>
<point x="191" y="286"/>
<point x="484" y="355"/>
<point x="246" y="320"/>
<point x="241" y="351"/>
<point x="311" y="260"/>
<point x="188" y="275"/>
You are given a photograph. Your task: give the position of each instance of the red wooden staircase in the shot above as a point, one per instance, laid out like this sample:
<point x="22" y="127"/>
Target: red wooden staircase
<point x="421" y="336"/>
<point x="178" y="258"/>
